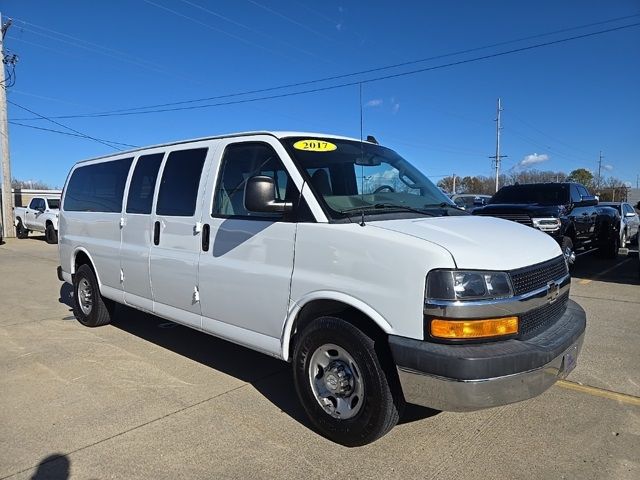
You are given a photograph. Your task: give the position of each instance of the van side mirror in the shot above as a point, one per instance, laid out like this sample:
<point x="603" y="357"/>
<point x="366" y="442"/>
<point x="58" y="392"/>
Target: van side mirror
<point x="588" y="200"/>
<point x="260" y="196"/>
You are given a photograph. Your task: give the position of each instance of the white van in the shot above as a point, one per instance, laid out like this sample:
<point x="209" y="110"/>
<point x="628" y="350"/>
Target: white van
<point x="334" y="254"/>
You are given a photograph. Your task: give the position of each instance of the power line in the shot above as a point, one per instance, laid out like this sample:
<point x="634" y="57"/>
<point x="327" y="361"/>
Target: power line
<point x="128" y="112"/>
<point x="69" y="133"/>
<point x="250" y="29"/>
<point x="63" y="126"/>
<point x="363" y="72"/>
<point x="216" y="29"/>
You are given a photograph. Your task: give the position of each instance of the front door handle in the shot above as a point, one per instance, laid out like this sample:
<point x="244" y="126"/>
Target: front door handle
<point x="206" y="231"/>
<point x="156" y="233"/>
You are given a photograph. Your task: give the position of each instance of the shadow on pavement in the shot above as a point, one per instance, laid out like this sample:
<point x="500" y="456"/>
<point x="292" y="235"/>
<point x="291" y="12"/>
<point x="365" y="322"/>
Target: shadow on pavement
<point x="623" y="269"/>
<point x="66" y="295"/>
<point x="53" y="467"/>
<point x="269" y="376"/>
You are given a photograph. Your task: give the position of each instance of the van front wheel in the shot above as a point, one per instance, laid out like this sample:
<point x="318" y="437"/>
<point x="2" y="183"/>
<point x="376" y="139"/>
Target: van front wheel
<point x="342" y="384"/>
<point x="89" y="307"/>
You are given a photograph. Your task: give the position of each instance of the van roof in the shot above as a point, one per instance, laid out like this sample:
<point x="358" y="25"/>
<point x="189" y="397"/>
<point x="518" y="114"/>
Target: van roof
<point x="277" y="134"/>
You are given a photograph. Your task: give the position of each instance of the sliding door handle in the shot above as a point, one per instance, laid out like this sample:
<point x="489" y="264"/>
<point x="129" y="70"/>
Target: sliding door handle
<point x="206" y="232"/>
<point x="156" y="233"/>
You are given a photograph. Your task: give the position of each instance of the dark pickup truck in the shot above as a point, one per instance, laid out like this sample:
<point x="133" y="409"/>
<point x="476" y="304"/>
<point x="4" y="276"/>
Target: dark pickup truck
<point x="566" y="211"/>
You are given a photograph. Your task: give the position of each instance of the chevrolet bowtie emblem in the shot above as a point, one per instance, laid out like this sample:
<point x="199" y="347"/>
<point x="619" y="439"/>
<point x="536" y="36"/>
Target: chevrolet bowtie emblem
<point x="553" y="291"/>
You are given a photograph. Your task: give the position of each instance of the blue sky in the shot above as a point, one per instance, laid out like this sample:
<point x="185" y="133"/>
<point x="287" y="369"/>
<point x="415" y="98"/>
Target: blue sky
<point x="566" y="102"/>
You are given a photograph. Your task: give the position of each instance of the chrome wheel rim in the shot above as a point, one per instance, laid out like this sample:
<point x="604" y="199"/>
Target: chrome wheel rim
<point x="85" y="296"/>
<point x="569" y="255"/>
<point x="336" y="381"/>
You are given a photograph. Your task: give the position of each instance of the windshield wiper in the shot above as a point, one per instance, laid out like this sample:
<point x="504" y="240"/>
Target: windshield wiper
<point x="444" y="205"/>
<point x="389" y="206"/>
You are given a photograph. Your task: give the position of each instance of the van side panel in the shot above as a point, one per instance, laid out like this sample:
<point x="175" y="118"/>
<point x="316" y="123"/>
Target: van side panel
<point x="90" y="219"/>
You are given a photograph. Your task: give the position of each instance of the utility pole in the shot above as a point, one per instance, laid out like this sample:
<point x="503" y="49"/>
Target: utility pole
<point x="497" y="156"/>
<point x="7" y="197"/>
<point x="600" y="168"/>
<point x="454" y="184"/>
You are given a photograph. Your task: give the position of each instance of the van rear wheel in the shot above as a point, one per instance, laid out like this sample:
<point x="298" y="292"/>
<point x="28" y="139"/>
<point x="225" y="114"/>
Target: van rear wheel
<point x="89" y="307"/>
<point x="342" y="385"/>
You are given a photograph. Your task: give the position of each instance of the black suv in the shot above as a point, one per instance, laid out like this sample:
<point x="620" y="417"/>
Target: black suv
<point x="566" y="211"/>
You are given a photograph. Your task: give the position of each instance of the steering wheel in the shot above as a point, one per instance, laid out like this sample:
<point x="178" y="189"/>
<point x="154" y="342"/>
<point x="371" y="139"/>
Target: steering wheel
<point x="384" y="187"/>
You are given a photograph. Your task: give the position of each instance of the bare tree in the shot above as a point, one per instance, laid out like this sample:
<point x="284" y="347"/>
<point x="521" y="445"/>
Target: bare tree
<point x="29" y="184"/>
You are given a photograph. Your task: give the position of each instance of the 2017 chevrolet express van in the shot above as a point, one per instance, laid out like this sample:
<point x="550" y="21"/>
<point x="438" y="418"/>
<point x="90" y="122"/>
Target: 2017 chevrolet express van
<point x="334" y="254"/>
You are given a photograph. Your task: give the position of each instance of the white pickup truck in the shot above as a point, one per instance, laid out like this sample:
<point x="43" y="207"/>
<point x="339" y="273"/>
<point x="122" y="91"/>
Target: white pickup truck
<point x="40" y="216"/>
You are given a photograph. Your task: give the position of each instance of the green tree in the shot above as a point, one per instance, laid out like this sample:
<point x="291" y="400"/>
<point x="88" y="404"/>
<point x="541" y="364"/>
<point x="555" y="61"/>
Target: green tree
<point x="583" y="176"/>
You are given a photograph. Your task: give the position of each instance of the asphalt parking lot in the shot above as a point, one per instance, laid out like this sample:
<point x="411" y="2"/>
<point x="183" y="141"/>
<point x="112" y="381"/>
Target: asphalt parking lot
<point x="145" y="398"/>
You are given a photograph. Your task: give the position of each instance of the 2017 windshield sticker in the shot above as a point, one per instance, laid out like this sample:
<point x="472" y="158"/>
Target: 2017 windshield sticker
<point x="314" y="146"/>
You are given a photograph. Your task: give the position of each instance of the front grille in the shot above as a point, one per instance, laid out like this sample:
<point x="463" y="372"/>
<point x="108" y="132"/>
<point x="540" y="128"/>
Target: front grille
<point x="542" y="317"/>
<point x="533" y="277"/>
<point x="515" y="217"/>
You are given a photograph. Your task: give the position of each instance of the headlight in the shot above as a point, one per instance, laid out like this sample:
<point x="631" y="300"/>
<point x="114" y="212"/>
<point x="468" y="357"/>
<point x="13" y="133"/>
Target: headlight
<point x="550" y="224"/>
<point x="467" y="285"/>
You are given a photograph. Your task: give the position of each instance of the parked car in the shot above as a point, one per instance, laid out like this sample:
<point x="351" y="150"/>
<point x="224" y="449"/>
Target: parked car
<point x="40" y="216"/>
<point x="334" y="254"/>
<point x="469" y="201"/>
<point x="629" y="222"/>
<point x="566" y="211"/>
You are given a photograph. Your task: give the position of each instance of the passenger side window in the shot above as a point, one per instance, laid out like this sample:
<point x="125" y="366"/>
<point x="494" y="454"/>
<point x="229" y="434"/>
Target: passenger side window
<point x="575" y="195"/>
<point x="583" y="191"/>
<point x="143" y="183"/>
<point x="98" y="187"/>
<point x="33" y="204"/>
<point x="180" y="183"/>
<point x="240" y="162"/>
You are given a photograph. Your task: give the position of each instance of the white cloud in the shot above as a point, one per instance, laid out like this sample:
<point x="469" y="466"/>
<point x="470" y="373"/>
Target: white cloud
<point x="608" y="168"/>
<point x="374" y="102"/>
<point x="532" y="159"/>
<point x="395" y="105"/>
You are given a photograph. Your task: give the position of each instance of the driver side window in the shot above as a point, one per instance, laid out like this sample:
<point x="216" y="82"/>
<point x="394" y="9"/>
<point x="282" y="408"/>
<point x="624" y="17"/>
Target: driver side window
<point x="240" y="162"/>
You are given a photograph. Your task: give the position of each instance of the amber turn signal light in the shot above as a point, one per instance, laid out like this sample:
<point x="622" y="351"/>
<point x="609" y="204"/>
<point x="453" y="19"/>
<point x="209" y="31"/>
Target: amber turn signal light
<point x="461" y="329"/>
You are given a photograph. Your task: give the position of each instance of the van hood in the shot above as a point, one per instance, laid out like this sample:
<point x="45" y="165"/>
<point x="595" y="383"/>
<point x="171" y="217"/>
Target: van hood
<point x="484" y="243"/>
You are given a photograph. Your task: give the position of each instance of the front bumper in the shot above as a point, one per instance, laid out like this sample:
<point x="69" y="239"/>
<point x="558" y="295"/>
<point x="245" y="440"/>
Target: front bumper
<point x="472" y="377"/>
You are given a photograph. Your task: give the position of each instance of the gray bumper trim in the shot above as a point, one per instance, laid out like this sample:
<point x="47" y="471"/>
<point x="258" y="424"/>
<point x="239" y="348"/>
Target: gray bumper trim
<point x="468" y="395"/>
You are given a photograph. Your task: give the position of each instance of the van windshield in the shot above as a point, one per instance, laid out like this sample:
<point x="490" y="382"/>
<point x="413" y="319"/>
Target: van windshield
<point x="350" y="177"/>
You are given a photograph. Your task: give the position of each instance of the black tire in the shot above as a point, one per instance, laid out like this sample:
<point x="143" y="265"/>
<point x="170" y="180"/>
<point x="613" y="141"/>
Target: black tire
<point x="21" y="231"/>
<point x="50" y="234"/>
<point x="568" y="251"/>
<point x="100" y="310"/>
<point x="610" y="250"/>
<point x="382" y="400"/>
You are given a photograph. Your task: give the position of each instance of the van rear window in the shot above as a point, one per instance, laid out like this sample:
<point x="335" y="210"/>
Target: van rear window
<point x="98" y="187"/>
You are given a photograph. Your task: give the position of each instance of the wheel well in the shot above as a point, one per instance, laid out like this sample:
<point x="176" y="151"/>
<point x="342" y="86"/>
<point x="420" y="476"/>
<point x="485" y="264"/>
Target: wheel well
<point x="48" y="222"/>
<point x="82" y="259"/>
<point x="320" y="308"/>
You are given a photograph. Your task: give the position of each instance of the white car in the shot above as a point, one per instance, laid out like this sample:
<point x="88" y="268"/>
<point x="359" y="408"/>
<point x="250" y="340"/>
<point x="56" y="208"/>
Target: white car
<point x="333" y="254"/>
<point x="40" y="216"/>
<point x="629" y="222"/>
